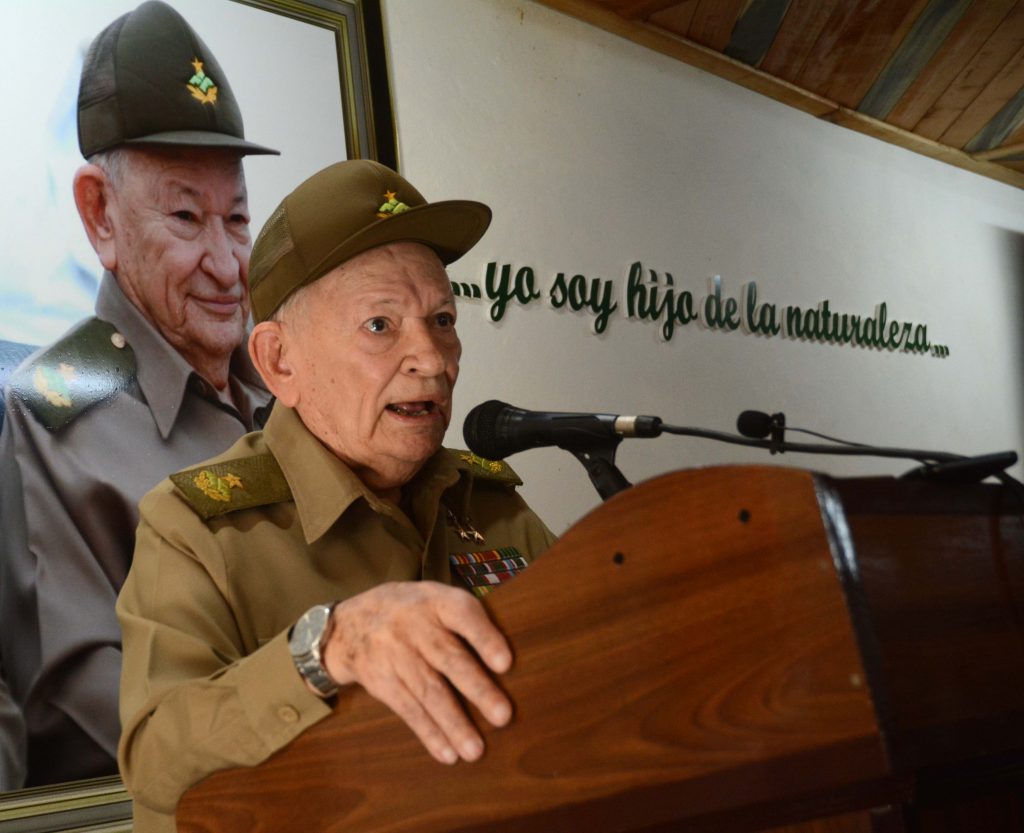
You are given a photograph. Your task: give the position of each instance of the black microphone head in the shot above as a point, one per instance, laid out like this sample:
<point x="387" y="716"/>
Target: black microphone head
<point x="480" y="430"/>
<point x="754" y="424"/>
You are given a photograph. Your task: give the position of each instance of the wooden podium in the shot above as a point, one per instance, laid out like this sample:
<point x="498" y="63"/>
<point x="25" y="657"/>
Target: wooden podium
<point x="722" y="649"/>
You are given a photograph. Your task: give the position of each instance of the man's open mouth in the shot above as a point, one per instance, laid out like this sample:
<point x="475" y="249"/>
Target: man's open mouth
<point x="412" y="409"/>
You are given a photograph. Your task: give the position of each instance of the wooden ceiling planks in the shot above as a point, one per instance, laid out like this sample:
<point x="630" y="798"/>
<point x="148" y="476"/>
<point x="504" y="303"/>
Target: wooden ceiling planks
<point x="645" y="8"/>
<point x="944" y="120"/>
<point x="976" y="26"/>
<point x="986" y="106"/>
<point x="1012" y="141"/>
<point x="676" y="19"/>
<point x="756" y="28"/>
<point x="942" y="77"/>
<point x="929" y="31"/>
<point x="801" y="27"/>
<point x="855" y="46"/>
<point x="713" y="22"/>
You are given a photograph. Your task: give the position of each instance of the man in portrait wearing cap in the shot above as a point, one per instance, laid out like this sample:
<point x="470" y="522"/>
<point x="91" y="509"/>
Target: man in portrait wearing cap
<point x="321" y="553"/>
<point x="156" y="380"/>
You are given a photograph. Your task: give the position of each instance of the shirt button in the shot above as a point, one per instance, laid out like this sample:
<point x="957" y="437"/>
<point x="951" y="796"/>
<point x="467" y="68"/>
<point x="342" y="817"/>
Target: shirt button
<point x="288" y="714"/>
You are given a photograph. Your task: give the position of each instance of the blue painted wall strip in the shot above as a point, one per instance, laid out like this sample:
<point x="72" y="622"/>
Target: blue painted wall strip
<point x="929" y="32"/>
<point x="755" y="30"/>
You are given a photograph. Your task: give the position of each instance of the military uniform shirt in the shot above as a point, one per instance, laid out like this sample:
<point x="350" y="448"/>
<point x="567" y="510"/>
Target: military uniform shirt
<point x="208" y="680"/>
<point x="72" y="471"/>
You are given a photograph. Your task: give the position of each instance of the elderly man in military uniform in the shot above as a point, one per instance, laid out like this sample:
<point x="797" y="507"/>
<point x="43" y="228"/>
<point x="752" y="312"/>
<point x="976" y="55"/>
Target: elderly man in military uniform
<point x="157" y="380"/>
<point x="342" y="546"/>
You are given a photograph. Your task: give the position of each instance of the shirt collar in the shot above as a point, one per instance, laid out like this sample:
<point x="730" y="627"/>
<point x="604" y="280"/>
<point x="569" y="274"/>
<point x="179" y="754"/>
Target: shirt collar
<point x="162" y="373"/>
<point x="322" y="486"/>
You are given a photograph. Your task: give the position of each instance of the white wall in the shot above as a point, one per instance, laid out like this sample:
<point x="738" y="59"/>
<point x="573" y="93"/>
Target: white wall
<point x="595" y="152"/>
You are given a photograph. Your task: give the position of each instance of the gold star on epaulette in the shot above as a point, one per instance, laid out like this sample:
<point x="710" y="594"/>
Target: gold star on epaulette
<point x="217" y="488"/>
<point x="493" y="466"/>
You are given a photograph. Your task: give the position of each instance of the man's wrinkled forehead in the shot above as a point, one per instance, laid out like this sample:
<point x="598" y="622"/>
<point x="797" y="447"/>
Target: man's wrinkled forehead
<point x="383" y="260"/>
<point x="385" y="275"/>
<point x="172" y="174"/>
<point x="173" y="189"/>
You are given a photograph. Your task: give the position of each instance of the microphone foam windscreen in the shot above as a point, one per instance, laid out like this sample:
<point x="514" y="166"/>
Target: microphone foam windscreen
<point x="480" y="430"/>
<point x="754" y="424"/>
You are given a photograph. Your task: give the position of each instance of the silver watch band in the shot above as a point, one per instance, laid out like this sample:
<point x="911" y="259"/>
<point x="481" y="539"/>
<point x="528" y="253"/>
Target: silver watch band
<point x="306" y="643"/>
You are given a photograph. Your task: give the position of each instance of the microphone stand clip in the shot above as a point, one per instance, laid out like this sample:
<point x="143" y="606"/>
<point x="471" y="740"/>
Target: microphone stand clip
<point x="599" y="461"/>
<point x="778" y="434"/>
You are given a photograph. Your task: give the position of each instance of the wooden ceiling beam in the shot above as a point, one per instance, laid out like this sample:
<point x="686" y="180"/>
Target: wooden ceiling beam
<point x="694" y="54"/>
<point x="999" y="153"/>
<point x="730" y="69"/>
<point x="927" y="147"/>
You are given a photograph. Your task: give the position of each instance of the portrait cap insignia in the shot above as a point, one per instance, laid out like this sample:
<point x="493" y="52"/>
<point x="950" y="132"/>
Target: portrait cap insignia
<point x="216" y="487"/>
<point x="53" y="384"/>
<point x="202" y="85"/>
<point x="391" y="206"/>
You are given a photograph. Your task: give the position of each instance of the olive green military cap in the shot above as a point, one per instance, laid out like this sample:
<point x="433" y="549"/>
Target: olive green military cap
<point x="344" y="210"/>
<point x="148" y="78"/>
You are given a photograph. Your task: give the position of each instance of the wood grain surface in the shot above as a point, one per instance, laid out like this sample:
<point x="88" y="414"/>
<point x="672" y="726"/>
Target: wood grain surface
<point x="683" y="654"/>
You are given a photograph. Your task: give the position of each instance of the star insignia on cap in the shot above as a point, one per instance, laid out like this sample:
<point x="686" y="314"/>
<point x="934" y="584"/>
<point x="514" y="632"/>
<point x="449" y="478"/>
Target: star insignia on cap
<point x="391" y="206"/>
<point x="202" y="85"/>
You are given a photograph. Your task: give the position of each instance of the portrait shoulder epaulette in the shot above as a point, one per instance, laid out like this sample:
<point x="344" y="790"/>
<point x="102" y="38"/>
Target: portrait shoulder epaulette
<point x="89" y="365"/>
<point x="214" y="489"/>
<point x="483" y="469"/>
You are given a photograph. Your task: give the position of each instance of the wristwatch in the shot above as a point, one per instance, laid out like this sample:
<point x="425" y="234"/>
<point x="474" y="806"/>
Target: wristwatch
<point x="306" y="642"/>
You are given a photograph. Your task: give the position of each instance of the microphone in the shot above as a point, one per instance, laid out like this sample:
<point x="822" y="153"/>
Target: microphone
<point x="754" y="424"/>
<point x="494" y="430"/>
<point x="758" y="425"/>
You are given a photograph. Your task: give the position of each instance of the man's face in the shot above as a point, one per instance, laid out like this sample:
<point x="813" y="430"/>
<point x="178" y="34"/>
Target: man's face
<point x="181" y="235"/>
<point x="376" y="356"/>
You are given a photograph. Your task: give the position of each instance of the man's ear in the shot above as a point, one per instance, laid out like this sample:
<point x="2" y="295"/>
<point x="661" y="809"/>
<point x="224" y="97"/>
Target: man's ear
<point x="269" y="349"/>
<point x="93" y="196"/>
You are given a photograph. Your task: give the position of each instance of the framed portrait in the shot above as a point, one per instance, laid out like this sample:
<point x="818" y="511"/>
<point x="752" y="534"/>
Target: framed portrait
<point x="310" y="77"/>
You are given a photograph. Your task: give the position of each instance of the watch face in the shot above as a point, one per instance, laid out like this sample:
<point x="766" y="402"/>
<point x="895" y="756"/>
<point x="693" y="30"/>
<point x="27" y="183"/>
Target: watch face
<point x="309" y="629"/>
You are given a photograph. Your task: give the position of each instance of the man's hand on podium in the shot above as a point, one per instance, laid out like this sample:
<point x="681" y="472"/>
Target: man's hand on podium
<point x="403" y="642"/>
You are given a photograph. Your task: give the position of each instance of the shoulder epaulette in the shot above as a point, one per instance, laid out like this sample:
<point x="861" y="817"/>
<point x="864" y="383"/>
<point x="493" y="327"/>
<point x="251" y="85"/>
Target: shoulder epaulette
<point x="87" y="366"/>
<point x="214" y="489"/>
<point x="483" y="469"/>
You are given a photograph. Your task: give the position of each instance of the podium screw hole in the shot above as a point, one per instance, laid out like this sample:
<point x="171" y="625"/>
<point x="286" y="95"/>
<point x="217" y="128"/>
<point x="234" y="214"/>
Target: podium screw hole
<point x="618" y="558"/>
<point x="744" y="516"/>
